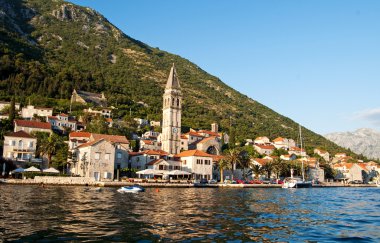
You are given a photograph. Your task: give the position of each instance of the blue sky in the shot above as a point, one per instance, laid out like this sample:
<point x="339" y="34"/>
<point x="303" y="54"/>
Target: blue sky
<point x="316" y="62"/>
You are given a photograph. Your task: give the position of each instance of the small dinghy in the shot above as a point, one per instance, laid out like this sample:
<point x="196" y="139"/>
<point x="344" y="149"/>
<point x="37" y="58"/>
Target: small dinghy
<point x="134" y="189"/>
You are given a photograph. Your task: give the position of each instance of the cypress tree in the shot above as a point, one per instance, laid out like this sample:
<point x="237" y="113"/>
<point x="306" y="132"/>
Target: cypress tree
<point x="12" y="110"/>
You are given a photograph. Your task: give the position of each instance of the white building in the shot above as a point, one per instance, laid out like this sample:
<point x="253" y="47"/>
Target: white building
<point x="198" y="163"/>
<point x="19" y="146"/>
<point x="30" y="111"/>
<point x="62" y="121"/>
<point x="32" y="126"/>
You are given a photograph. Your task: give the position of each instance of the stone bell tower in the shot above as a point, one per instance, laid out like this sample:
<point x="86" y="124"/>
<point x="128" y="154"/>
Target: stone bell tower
<point x="171" y="114"/>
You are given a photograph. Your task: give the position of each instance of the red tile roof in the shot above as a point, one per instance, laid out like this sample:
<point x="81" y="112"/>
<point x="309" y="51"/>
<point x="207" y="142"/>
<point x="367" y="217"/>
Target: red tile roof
<point x="265" y="146"/>
<point x="89" y="143"/>
<point x="111" y="138"/>
<point x="19" y="134"/>
<point x="135" y="153"/>
<point x="33" y="124"/>
<point x="207" y="139"/>
<point x="80" y="134"/>
<point x="155" y="152"/>
<point x="148" y="142"/>
<point x="189" y="153"/>
<point x="209" y="133"/>
<point x="153" y="162"/>
<point x="194" y="134"/>
<point x="279" y="139"/>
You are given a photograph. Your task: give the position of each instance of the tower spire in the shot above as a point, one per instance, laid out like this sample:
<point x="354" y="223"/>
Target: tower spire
<point x="173" y="82"/>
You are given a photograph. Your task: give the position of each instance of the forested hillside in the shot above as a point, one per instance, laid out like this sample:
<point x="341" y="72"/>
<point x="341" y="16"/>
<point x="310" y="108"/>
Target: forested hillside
<point x="48" y="48"/>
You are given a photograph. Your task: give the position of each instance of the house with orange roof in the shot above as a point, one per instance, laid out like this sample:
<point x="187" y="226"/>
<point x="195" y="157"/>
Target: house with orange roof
<point x="146" y="144"/>
<point x="140" y="160"/>
<point x="348" y="172"/>
<point x="32" y="126"/>
<point x="95" y="159"/>
<point x="297" y="151"/>
<point x="20" y="146"/>
<point x="264" y="148"/>
<point x="78" y="138"/>
<point x="283" y="143"/>
<point x="324" y="154"/>
<point x="261" y="141"/>
<point x="197" y="162"/>
<point x="288" y="157"/>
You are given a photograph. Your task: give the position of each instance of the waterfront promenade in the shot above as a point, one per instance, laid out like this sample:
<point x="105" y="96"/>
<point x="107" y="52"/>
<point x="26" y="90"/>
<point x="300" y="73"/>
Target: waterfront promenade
<point x="79" y="181"/>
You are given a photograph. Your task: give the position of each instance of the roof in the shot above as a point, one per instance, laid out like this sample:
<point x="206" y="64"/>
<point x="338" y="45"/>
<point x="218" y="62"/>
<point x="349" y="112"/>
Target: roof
<point x="110" y="138"/>
<point x="135" y="153"/>
<point x="217" y="158"/>
<point x="33" y="124"/>
<point x="19" y="134"/>
<point x="154" y="162"/>
<point x="279" y="139"/>
<point x="265" y="146"/>
<point x="43" y="108"/>
<point x="260" y="138"/>
<point x="148" y="142"/>
<point x="173" y="82"/>
<point x="216" y="134"/>
<point x="109" y="120"/>
<point x="296" y="149"/>
<point x="155" y="152"/>
<point x="262" y="161"/>
<point x="207" y="139"/>
<point x="63" y="115"/>
<point x="194" y="134"/>
<point x="80" y="134"/>
<point x="189" y="153"/>
<point x="90" y="143"/>
<point x="95" y="98"/>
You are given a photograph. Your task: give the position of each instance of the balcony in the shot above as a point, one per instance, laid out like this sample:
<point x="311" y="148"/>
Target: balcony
<point x="23" y="150"/>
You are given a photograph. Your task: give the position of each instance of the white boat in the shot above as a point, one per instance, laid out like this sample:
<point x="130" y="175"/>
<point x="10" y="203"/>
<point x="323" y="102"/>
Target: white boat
<point x="295" y="182"/>
<point x="133" y="189"/>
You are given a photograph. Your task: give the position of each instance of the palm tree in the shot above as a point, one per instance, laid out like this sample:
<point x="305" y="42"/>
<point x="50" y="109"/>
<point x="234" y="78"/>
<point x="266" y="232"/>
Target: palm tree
<point x="268" y="168"/>
<point x="257" y="170"/>
<point x="233" y="158"/>
<point x="223" y="165"/>
<point x="50" y="146"/>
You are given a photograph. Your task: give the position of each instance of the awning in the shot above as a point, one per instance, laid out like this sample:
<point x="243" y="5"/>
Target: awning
<point x="32" y="169"/>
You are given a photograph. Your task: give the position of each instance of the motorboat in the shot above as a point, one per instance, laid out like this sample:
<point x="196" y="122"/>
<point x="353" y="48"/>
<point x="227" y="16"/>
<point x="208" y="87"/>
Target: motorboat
<point x="295" y="182"/>
<point x="134" y="189"/>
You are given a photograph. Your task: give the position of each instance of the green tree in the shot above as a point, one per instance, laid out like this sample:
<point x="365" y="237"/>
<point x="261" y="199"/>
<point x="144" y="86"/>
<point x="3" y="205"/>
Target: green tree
<point x="257" y="170"/>
<point x="50" y="146"/>
<point x="233" y="158"/>
<point x="12" y="109"/>
<point x="224" y="164"/>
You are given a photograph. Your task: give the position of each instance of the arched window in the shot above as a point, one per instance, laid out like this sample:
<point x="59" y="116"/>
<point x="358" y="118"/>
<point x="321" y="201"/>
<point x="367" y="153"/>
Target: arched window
<point x="20" y="143"/>
<point x="178" y="102"/>
<point x="173" y="101"/>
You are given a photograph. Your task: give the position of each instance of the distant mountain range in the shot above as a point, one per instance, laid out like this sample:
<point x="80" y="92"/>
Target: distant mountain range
<point x="362" y="141"/>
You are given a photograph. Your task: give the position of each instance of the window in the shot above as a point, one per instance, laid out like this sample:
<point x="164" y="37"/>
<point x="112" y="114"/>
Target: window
<point x="152" y="157"/>
<point x="119" y="155"/>
<point x="170" y="167"/>
<point x="161" y="167"/>
<point x="107" y="175"/>
<point x="177" y="102"/>
<point x="184" y="162"/>
<point x="30" y="144"/>
<point x="20" y="143"/>
<point x="107" y="156"/>
<point x="97" y="155"/>
<point x="177" y="167"/>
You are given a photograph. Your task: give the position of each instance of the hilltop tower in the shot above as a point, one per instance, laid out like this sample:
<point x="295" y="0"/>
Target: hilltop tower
<point x="171" y="114"/>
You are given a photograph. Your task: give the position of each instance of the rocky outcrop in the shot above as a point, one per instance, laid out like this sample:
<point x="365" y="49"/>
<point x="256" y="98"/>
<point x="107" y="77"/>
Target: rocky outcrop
<point x="363" y="141"/>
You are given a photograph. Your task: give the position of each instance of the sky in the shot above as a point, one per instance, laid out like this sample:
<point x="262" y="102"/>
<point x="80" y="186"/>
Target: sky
<point x="316" y="62"/>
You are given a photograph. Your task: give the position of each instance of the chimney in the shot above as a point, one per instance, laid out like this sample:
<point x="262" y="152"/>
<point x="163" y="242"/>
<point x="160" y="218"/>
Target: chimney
<point x="214" y="127"/>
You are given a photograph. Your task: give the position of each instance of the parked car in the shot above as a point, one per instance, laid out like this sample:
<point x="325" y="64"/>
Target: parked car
<point x="355" y="182"/>
<point x="255" y="181"/>
<point x="239" y="181"/>
<point x="212" y="181"/>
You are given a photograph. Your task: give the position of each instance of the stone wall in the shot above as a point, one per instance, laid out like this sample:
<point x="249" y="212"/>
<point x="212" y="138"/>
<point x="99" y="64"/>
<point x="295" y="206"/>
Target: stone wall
<point x="66" y="180"/>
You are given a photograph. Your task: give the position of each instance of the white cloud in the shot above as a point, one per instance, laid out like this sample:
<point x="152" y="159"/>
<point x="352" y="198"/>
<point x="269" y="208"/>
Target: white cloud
<point x="371" y="115"/>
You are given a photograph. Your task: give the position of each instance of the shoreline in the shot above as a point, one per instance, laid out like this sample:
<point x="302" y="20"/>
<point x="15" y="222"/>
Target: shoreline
<point x="168" y="185"/>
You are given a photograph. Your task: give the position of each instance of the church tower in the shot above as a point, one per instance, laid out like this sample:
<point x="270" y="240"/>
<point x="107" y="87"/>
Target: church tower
<point x="171" y="114"/>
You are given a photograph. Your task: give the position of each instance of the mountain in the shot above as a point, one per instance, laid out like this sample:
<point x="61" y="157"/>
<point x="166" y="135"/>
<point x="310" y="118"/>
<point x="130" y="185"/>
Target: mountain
<point x="48" y="48"/>
<point x="362" y="141"/>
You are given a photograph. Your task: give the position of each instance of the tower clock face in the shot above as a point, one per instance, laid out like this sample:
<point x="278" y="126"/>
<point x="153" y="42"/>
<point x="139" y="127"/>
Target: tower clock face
<point x="175" y="130"/>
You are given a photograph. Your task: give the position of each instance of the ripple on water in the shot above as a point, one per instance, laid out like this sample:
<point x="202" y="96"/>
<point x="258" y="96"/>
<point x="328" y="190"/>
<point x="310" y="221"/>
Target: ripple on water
<point x="31" y="213"/>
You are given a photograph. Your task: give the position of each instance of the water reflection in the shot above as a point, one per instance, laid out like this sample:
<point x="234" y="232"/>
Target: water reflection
<point x="33" y="213"/>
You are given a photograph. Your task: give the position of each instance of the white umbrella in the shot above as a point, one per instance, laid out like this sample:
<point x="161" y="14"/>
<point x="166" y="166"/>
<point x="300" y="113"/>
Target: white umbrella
<point x="50" y="170"/>
<point x="177" y="172"/>
<point x="18" y="170"/>
<point x="32" y="169"/>
<point x="150" y="172"/>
